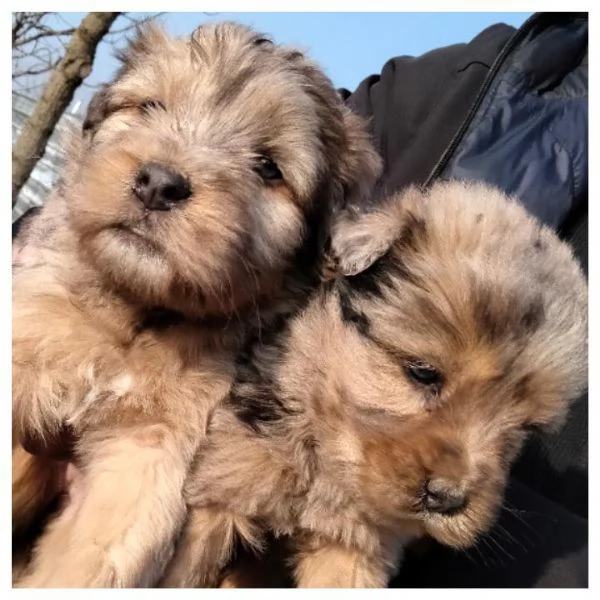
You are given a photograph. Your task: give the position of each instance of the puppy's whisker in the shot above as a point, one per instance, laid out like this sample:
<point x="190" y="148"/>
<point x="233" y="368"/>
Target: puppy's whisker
<point x="494" y="554"/>
<point x="517" y="515"/>
<point x="467" y="553"/>
<point x="520" y="514"/>
<point x="507" y="534"/>
<point x="490" y="536"/>
<point x="481" y="555"/>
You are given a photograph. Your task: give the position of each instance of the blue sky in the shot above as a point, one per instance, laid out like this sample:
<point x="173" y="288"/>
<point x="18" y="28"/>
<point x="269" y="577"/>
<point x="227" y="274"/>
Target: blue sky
<point x="349" y="46"/>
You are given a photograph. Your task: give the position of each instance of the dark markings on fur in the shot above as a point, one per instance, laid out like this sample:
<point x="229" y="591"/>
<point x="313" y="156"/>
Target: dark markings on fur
<point x="487" y="318"/>
<point x="300" y="283"/>
<point x="257" y="406"/>
<point x="523" y="387"/>
<point x="97" y="110"/>
<point x="311" y="446"/>
<point x="414" y="229"/>
<point x="159" y="319"/>
<point x="302" y="278"/>
<point x="370" y="281"/>
<point x="23" y="538"/>
<point x="310" y="443"/>
<point x="499" y="318"/>
<point x="350" y="315"/>
<point x="533" y="317"/>
<point x="253" y="398"/>
<point x="230" y="90"/>
<point x="276" y="329"/>
<point x="381" y="274"/>
<point x="263" y="41"/>
<point x="479" y="218"/>
<point x="294" y="55"/>
<point x="401" y="271"/>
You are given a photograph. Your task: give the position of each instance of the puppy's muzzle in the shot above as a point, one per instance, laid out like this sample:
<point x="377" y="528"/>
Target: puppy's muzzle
<point x="160" y="188"/>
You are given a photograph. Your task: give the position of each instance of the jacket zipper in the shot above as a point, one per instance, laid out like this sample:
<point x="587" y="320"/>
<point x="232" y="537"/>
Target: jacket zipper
<point x="485" y="86"/>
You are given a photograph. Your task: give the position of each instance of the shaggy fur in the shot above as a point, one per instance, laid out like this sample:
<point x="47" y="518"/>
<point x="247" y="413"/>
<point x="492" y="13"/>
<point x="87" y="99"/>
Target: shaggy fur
<point x="127" y="321"/>
<point x="415" y="379"/>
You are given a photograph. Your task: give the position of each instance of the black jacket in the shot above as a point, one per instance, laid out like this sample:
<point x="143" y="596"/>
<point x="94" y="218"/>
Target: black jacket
<point x="509" y="108"/>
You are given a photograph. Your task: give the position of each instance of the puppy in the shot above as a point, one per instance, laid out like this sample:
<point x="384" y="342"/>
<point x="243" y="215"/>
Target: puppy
<point x="394" y="404"/>
<point x="197" y="194"/>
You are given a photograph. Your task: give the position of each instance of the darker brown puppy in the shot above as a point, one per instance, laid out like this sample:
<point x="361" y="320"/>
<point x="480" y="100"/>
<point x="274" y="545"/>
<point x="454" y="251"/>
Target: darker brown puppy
<point x="197" y="191"/>
<point x="395" y="403"/>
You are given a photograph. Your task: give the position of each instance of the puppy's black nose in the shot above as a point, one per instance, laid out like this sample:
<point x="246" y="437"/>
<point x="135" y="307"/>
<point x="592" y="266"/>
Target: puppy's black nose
<point x="159" y="187"/>
<point x="444" y="497"/>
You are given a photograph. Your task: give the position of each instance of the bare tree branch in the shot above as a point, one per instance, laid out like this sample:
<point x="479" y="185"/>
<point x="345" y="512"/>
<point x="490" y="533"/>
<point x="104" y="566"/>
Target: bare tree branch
<point x="23" y="22"/>
<point x="42" y="33"/>
<point x="58" y="92"/>
<point x="36" y="70"/>
<point x="43" y="60"/>
<point x="37" y="45"/>
<point x="40" y="39"/>
<point x="133" y="23"/>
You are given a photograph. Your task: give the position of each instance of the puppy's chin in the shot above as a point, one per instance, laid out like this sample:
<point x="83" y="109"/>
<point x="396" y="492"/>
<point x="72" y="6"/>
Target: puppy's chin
<point x="131" y="261"/>
<point x="219" y="281"/>
<point x="462" y="530"/>
<point x="458" y="531"/>
<point x="455" y="531"/>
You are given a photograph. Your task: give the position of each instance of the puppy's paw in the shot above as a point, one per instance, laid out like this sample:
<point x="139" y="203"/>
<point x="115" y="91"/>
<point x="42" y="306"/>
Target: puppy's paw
<point x="38" y="400"/>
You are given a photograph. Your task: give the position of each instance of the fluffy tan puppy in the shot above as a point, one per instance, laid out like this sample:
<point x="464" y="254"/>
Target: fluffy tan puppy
<point x="394" y="404"/>
<point x="197" y="192"/>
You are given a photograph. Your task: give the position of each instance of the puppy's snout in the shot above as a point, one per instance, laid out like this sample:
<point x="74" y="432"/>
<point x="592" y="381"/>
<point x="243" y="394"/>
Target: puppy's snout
<point x="444" y="497"/>
<point x="159" y="187"/>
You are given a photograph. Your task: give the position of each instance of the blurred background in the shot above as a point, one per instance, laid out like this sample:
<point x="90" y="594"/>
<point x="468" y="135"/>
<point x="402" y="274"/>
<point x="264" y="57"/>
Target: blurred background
<point x="54" y="75"/>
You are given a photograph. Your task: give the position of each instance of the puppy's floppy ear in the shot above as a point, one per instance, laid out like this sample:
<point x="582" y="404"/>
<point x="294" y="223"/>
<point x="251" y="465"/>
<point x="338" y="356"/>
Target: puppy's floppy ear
<point x="147" y="40"/>
<point x="97" y="111"/>
<point x="359" y="236"/>
<point x="361" y="164"/>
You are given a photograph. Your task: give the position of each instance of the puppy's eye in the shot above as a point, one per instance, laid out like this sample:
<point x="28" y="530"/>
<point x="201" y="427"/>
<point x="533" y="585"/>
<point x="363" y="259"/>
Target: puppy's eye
<point x="148" y="105"/>
<point x="267" y="168"/>
<point x="424" y="374"/>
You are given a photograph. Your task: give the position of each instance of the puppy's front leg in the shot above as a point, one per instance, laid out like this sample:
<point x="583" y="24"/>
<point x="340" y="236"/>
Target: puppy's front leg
<point x="36" y="482"/>
<point x="120" y="531"/>
<point x="331" y="565"/>
<point x="205" y="547"/>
